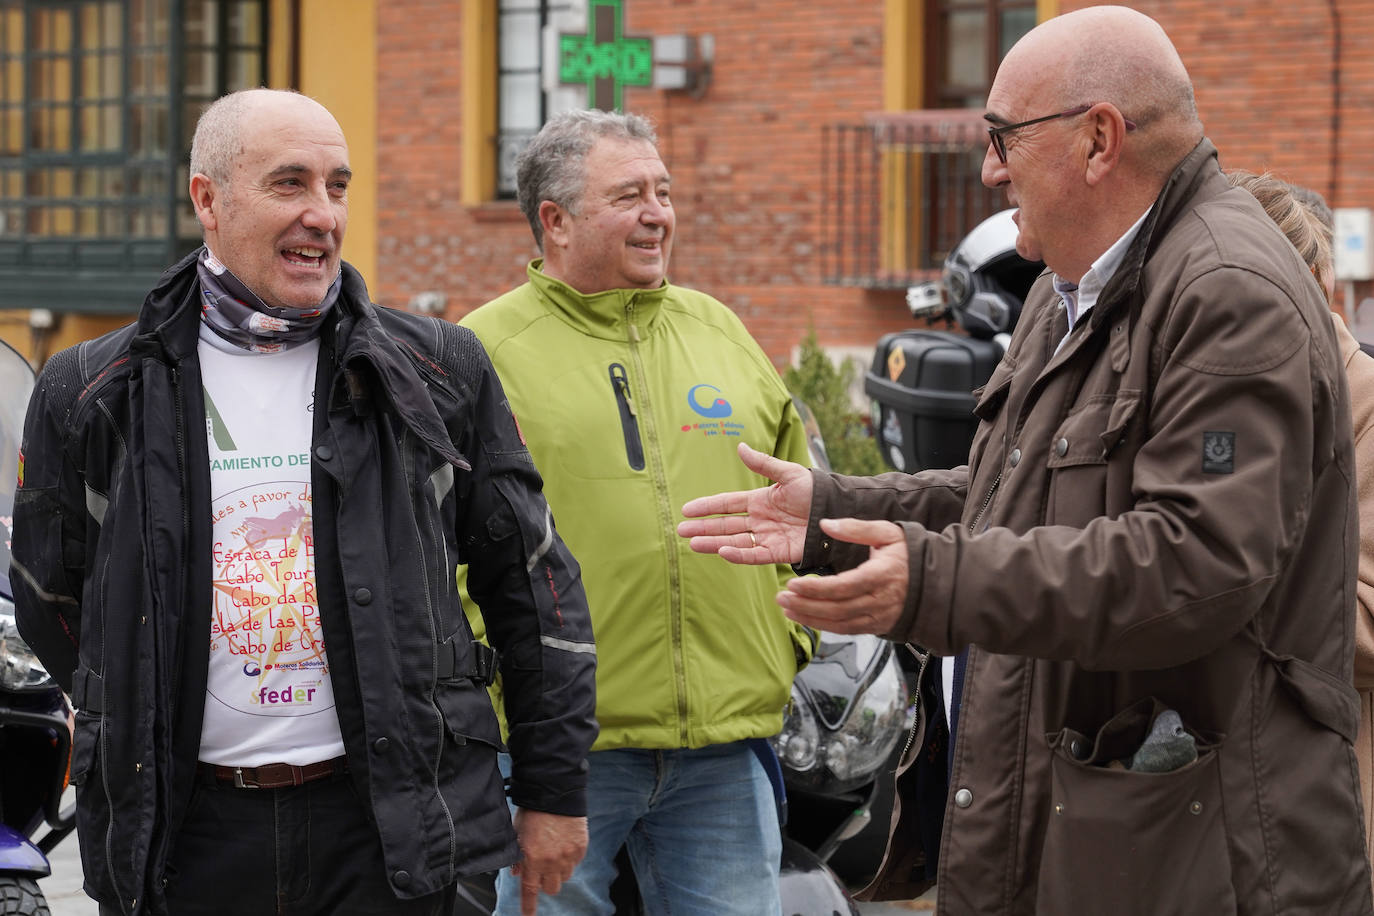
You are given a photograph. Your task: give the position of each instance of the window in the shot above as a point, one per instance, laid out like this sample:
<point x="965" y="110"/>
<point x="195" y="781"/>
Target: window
<point x="523" y="106"/>
<point x="965" y="41"/>
<point x="95" y="129"/>
<point x="903" y="188"/>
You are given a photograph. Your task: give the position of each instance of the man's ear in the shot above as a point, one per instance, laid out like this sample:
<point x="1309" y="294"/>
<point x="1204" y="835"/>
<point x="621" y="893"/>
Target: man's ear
<point x="204" y="194"/>
<point x="1106" y="141"/>
<point x="554" y="220"/>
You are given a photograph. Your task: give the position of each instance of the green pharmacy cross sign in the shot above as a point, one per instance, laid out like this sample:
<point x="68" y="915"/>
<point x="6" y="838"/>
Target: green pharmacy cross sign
<point x="605" y="59"/>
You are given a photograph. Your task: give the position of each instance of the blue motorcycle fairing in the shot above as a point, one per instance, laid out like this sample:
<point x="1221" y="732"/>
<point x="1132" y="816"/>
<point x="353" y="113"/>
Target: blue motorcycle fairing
<point x="18" y="856"/>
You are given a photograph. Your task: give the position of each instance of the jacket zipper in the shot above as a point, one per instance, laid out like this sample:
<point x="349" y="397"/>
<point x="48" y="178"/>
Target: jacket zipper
<point x="102" y="736"/>
<point x="434" y="638"/>
<point x="987" y="501"/>
<point x="665" y="514"/>
<point x="185" y="524"/>
<point x="629" y="419"/>
<point x="916" y="694"/>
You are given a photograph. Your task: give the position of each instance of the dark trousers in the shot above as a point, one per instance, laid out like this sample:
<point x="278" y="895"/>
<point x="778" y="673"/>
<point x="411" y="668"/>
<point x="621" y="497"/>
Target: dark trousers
<point x="302" y="851"/>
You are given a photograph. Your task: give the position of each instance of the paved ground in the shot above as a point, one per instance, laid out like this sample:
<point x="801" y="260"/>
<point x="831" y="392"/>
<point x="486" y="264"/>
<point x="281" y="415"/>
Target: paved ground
<point x="65" y="897"/>
<point x="63" y="886"/>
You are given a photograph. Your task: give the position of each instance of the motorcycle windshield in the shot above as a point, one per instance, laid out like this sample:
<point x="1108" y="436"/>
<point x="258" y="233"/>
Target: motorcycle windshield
<point x="16" y="384"/>
<point x="841" y="669"/>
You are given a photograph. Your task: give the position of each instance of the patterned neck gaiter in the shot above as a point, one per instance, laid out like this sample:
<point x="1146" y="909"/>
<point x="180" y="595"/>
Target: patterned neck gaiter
<point x="236" y="314"/>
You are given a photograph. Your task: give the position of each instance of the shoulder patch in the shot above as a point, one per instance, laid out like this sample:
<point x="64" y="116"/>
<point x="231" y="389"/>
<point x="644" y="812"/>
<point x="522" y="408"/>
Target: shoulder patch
<point x="1218" y="452"/>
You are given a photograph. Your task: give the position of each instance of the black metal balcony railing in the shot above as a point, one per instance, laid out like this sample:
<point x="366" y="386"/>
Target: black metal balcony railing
<point x="898" y="192"/>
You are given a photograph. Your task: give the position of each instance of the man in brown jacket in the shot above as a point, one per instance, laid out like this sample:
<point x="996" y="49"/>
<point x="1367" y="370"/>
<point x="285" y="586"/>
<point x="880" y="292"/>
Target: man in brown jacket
<point x="1153" y="544"/>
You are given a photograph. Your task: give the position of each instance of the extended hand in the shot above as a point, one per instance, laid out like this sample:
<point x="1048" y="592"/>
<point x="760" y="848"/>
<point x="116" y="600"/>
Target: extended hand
<point x="866" y="599"/>
<point x="754" y="527"/>
<point x="552" y="845"/>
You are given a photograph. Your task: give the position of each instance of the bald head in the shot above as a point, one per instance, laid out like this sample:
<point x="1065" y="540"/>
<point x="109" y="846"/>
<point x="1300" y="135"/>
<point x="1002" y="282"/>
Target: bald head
<point x="1113" y="54"/>
<point x="223" y="130"/>
<point x="269" y="183"/>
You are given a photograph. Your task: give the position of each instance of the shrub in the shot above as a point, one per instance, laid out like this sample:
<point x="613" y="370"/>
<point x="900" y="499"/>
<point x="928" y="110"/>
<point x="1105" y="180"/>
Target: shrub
<point x="824" y="387"/>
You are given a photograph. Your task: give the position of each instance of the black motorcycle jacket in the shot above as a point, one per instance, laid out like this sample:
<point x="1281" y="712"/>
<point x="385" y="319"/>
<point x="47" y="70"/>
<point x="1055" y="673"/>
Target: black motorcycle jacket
<point x="417" y="465"/>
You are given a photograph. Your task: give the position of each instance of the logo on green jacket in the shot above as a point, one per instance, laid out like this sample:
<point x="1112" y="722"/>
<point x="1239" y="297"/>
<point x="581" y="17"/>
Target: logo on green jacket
<point x="705" y="401"/>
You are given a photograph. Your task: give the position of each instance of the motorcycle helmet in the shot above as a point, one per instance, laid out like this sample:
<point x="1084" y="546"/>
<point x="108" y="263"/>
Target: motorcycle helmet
<point x="807" y="886"/>
<point x="985" y="280"/>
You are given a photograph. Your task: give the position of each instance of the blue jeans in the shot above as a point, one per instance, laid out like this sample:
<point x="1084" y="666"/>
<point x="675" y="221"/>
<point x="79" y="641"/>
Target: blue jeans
<point x="701" y="827"/>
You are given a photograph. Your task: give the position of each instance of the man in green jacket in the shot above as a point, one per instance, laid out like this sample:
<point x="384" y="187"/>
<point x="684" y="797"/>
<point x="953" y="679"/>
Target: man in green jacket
<point x="632" y="395"/>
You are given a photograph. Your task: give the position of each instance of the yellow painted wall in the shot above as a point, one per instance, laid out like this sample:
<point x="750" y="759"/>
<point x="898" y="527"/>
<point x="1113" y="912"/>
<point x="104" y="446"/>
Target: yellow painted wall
<point x="903" y="50"/>
<point x="478" y="176"/>
<point x="338" y="66"/>
<point x="68" y="330"/>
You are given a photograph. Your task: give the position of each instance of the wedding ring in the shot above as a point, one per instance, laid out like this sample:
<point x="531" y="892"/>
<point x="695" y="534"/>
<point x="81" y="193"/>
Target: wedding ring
<point x="753" y="542"/>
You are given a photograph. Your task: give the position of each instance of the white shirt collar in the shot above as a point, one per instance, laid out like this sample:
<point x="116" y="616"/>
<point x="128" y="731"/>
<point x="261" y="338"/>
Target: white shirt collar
<point x="1079" y="299"/>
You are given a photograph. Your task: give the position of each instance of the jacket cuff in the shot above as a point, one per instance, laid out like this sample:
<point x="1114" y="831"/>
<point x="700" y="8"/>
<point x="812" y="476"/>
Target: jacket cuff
<point x="915" y="573"/>
<point x="820" y="552"/>
<point x="572" y="803"/>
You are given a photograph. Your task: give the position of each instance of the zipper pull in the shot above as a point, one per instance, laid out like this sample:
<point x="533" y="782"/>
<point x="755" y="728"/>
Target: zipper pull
<point x="623" y="384"/>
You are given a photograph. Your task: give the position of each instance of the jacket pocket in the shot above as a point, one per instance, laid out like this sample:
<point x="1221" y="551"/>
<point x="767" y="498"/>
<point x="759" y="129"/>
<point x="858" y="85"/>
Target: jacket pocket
<point x="468" y="714"/>
<point x="1077" y="462"/>
<point x="470" y="781"/>
<point x="92" y="805"/>
<point x="989" y="402"/>
<point x="1327" y="700"/>
<point x="629" y="417"/>
<point x="1125" y="842"/>
<point x="85" y="738"/>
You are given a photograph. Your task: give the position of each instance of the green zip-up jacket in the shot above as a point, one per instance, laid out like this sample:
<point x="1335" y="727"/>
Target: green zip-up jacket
<point x="632" y="402"/>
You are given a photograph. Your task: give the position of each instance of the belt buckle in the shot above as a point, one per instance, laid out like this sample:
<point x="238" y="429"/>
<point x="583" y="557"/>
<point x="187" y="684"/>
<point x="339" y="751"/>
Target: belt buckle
<point x="238" y="779"/>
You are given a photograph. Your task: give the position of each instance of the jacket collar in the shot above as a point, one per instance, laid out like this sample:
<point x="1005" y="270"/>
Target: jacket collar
<point x="607" y="315"/>
<point x="372" y="364"/>
<point x="167" y="322"/>
<point x="1185" y="188"/>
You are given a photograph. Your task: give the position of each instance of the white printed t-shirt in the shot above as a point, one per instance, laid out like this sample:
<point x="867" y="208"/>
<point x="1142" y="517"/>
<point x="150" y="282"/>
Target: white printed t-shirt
<point x="269" y="697"/>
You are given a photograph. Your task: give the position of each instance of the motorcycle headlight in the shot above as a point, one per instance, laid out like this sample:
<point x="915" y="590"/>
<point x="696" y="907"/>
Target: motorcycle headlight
<point x="798" y="741"/>
<point x="19" y="667"/>
<point x="843" y="758"/>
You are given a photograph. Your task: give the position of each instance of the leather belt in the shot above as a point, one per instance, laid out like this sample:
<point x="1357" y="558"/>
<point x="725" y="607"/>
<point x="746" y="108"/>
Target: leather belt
<point x="271" y="775"/>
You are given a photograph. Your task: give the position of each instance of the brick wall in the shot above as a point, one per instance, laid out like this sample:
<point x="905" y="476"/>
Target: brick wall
<point x="1262" y="73"/>
<point x="745" y="158"/>
<point x="745" y="161"/>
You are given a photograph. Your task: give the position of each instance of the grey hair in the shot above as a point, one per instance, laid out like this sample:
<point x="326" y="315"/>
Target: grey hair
<point x="217" y="142"/>
<point x="551" y="166"/>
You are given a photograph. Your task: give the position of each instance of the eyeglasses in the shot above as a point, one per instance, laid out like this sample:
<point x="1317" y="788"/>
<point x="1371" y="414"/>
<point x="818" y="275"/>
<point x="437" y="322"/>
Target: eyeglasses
<point x="998" y="135"/>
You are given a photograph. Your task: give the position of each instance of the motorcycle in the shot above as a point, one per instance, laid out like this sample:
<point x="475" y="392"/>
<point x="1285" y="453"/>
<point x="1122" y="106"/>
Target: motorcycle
<point x="840" y="740"/>
<point x="922" y="381"/>
<point x="35" y="737"/>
